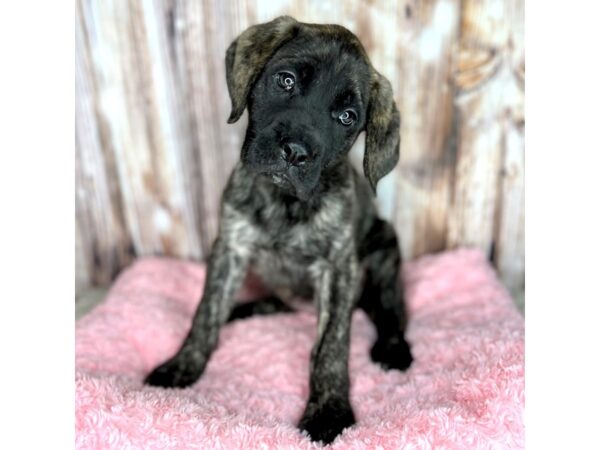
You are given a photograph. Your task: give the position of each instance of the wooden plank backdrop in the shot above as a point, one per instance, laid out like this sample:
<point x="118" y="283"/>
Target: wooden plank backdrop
<point x="153" y="150"/>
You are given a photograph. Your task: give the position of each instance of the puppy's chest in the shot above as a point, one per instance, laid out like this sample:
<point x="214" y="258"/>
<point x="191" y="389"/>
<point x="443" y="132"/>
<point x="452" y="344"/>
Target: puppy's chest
<point x="298" y="245"/>
<point x="284" y="252"/>
<point x="283" y="262"/>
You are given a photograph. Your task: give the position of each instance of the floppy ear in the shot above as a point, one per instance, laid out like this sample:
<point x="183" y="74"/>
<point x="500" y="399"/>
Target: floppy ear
<point x="247" y="56"/>
<point x="382" y="148"/>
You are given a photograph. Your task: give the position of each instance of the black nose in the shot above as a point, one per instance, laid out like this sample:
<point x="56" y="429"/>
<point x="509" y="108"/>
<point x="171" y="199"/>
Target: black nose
<point x="295" y="154"/>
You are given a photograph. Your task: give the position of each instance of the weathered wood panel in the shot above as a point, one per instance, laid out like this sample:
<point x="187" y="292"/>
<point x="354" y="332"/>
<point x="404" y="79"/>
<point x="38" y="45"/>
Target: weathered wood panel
<point x="510" y="237"/>
<point x="154" y="149"/>
<point x="139" y="104"/>
<point x="426" y="169"/>
<point x="486" y="97"/>
<point x="102" y="239"/>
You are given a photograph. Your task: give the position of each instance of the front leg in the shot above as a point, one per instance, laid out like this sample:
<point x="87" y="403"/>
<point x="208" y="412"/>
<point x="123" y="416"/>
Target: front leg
<point x="226" y="271"/>
<point x="328" y="410"/>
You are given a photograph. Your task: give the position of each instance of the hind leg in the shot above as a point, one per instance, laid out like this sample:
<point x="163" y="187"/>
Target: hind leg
<point x="260" y="307"/>
<point x="382" y="297"/>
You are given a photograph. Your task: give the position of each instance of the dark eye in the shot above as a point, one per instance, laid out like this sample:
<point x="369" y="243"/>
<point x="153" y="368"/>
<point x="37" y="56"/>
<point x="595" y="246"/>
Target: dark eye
<point x="286" y="80"/>
<point x="347" y="117"/>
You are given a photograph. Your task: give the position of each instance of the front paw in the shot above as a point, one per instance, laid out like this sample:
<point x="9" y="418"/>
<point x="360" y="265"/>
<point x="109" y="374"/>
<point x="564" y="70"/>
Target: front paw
<point x="178" y="372"/>
<point x="392" y="353"/>
<point x="324" y="422"/>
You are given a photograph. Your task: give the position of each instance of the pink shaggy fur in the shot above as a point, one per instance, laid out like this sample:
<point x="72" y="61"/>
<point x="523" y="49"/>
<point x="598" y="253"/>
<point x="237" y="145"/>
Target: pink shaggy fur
<point x="465" y="389"/>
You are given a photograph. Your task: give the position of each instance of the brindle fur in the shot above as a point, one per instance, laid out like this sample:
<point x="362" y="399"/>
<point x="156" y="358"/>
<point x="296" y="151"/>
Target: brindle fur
<point x="310" y="230"/>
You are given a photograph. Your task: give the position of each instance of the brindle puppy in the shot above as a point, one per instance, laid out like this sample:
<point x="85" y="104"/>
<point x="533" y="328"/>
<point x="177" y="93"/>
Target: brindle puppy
<point x="296" y="212"/>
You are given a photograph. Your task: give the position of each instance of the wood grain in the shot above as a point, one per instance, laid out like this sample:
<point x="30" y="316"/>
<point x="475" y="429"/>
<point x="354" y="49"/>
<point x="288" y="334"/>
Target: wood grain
<point x="102" y="238"/>
<point x="510" y="234"/>
<point x="479" y="102"/>
<point x="487" y="209"/>
<point x="426" y="169"/>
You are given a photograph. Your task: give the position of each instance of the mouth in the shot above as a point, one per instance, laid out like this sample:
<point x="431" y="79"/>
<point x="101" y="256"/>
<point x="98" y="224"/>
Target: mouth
<point x="285" y="184"/>
<point x="280" y="174"/>
<point x="280" y="180"/>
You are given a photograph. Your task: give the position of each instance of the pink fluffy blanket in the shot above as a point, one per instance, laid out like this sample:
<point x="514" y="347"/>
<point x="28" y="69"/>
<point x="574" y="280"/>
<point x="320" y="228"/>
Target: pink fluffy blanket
<point x="465" y="389"/>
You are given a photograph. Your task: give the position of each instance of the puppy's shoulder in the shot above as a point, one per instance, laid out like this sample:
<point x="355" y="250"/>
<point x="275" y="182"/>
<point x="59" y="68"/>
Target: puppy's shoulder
<point x="240" y="192"/>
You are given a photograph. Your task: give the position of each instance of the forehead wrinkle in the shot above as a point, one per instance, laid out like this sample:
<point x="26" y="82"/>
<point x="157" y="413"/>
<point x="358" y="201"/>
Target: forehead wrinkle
<point x="351" y="71"/>
<point x="296" y="59"/>
<point x="351" y="91"/>
<point x="349" y="86"/>
<point x="338" y="82"/>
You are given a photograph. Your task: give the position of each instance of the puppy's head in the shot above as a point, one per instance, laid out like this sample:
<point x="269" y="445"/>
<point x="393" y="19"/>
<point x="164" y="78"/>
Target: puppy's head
<point x="310" y="90"/>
